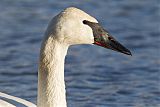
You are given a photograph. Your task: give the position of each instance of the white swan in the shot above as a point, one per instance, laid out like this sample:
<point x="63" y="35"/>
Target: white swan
<point x="70" y="27"/>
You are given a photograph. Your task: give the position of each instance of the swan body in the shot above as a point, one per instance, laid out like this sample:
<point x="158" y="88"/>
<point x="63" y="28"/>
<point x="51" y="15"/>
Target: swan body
<point x="6" y="104"/>
<point x="19" y="100"/>
<point x="70" y="27"/>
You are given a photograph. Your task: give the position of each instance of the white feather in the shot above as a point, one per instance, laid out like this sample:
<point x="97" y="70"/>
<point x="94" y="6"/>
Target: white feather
<point x="65" y="29"/>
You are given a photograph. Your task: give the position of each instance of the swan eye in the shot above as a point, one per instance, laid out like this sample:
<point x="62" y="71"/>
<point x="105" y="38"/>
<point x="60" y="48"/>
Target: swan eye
<point x="84" y="21"/>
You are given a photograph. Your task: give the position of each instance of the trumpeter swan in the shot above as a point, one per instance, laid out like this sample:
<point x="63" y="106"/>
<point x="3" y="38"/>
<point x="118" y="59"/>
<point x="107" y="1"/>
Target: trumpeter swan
<point x="70" y="27"/>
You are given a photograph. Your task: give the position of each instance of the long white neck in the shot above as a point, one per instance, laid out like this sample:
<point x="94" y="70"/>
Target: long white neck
<point x="51" y="84"/>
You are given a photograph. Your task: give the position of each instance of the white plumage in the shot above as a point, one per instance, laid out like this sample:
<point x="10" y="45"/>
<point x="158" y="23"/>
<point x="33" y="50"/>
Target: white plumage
<point x="64" y="30"/>
<point x="70" y="27"/>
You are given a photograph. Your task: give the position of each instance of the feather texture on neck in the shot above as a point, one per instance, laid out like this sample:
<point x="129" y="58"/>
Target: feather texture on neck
<point x="51" y="91"/>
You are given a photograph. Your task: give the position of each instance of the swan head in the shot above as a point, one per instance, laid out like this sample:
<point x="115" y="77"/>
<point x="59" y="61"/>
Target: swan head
<point x="74" y="26"/>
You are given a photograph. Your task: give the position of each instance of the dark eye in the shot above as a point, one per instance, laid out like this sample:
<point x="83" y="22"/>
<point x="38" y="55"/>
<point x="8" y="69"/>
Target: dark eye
<point x="85" y="21"/>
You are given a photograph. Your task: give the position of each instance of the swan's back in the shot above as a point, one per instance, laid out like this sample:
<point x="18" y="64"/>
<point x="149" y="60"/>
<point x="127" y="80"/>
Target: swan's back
<point x="19" y="100"/>
<point x="5" y="104"/>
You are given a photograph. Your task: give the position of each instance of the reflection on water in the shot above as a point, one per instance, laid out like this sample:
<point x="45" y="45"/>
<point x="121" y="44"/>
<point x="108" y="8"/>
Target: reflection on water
<point x="95" y="77"/>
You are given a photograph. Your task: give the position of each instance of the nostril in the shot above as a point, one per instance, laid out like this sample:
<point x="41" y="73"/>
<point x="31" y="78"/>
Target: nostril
<point x="109" y="38"/>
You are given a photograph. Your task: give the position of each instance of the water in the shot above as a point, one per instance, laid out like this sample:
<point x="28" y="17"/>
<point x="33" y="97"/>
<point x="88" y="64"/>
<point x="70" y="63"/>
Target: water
<point x="95" y="77"/>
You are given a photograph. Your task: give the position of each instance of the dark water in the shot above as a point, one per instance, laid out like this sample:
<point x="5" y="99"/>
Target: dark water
<point x="95" y="77"/>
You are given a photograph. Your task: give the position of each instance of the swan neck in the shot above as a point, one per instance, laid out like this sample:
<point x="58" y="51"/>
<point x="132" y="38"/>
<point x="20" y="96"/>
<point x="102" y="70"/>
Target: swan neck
<point x="51" y="84"/>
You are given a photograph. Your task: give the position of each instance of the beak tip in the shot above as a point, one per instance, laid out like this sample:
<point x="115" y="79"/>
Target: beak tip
<point x="128" y="53"/>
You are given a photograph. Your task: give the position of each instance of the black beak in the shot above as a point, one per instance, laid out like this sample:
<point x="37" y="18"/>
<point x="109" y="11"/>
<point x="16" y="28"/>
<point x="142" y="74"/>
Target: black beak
<point x="102" y="38"/>
<point x="109" y="42"/>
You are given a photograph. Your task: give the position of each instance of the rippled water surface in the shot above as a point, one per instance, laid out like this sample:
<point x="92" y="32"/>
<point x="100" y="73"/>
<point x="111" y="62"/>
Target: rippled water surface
<point x="95" y="77"/>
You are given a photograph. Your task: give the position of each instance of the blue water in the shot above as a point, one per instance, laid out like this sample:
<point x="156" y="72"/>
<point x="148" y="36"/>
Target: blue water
<point x="95" y="77"/>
